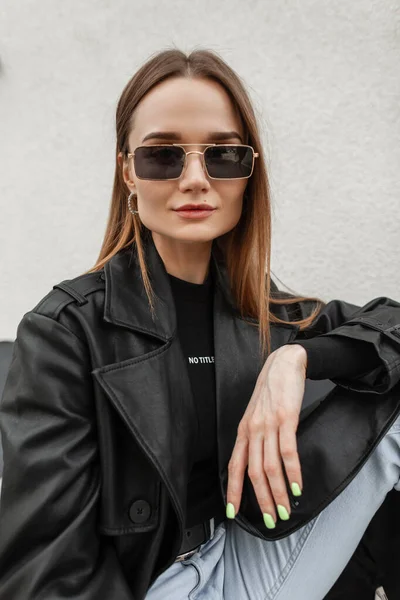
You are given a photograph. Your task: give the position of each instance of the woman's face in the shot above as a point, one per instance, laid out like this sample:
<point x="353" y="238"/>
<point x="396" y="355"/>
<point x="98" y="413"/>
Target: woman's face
<point x="187" y="111"/>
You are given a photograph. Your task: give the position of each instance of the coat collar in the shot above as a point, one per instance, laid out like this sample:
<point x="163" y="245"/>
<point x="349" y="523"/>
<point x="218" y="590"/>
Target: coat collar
<point x="126" y="301"/>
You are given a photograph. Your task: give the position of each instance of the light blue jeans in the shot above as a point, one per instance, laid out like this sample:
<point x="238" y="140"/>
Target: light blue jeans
<point x="235" y="565"/>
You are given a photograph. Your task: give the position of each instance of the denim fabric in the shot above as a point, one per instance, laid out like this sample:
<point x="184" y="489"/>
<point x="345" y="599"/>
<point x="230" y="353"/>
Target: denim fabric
<point x="235" y="565"/>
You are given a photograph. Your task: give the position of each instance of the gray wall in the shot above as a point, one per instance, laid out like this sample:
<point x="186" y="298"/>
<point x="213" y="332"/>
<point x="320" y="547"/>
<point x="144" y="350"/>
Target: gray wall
<point x="324" y="77"/>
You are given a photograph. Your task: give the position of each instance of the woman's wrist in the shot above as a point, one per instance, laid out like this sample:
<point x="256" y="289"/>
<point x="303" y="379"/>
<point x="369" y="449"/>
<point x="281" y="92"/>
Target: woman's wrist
<point x="295" y="353"/>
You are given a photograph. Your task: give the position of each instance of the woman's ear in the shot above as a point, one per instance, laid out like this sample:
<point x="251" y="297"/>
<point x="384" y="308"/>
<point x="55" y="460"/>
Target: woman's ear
<point x="123" y="164"/>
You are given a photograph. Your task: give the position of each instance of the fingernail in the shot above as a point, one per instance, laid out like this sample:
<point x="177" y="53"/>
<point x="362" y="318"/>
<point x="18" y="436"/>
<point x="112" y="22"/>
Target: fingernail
<point x="282" y="512"/>
<point x="230" y="511"/>
<point x="296" y="489"/>
<point x="269" y="521"/>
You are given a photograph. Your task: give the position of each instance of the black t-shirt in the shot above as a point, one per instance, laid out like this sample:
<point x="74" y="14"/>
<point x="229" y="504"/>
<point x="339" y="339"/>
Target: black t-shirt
<point x="327" y="358"/>
<point x="194" y="311"/>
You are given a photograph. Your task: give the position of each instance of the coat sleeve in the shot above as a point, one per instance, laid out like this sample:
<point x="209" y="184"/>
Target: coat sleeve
<point x="376" y="324"/>
<point x="49" y="546"/>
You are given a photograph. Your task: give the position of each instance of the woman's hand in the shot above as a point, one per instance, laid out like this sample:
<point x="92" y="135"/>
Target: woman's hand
<point x="267" y="435"/>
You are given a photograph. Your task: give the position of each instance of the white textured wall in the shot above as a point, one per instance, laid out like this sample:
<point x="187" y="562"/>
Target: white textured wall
<point x="325" y="80"/>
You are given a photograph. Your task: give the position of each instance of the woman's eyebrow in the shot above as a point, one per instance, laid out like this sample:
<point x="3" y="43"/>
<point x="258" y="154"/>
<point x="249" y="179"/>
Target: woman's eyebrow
<point x="173" y="135"/>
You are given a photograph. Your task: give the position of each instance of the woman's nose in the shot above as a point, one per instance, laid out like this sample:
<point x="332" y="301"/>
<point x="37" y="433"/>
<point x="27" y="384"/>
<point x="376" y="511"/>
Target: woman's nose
<point x="194" y="166"/>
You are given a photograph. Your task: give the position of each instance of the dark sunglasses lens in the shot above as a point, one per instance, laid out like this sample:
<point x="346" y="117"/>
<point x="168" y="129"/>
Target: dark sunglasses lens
<point x="229" y="162"/>
<point x="159" y="162"/>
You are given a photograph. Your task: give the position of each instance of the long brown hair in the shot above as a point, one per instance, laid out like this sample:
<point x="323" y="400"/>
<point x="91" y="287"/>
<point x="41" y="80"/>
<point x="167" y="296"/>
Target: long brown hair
<point x="246" y="249"/>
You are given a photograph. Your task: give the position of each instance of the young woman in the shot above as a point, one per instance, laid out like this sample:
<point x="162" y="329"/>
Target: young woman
<point x="154" y="444"/>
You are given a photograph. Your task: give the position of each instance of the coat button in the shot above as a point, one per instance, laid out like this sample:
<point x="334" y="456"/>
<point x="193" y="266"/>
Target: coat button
<point x="140" y="511"/>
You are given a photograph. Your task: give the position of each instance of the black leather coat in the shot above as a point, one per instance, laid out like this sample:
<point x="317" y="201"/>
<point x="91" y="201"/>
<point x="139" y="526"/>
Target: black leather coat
<point x="97" y="426"/>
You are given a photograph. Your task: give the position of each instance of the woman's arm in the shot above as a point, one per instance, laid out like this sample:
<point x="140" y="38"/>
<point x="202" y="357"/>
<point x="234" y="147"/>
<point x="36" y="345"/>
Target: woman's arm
<point x="371" y="331"/>
<point x="337" y="356"/>
<point x="49" y="546"/>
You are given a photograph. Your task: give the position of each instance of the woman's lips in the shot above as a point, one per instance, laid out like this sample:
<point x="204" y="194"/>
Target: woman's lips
<point x="194" y="213"/>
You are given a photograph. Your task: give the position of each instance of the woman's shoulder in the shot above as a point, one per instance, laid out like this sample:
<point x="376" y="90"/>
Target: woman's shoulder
<point x="71" y="300"/>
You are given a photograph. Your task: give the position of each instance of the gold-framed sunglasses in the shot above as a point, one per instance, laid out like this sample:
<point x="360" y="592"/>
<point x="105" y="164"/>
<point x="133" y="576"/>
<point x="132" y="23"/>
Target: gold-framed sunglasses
<point x="160" y="162"/>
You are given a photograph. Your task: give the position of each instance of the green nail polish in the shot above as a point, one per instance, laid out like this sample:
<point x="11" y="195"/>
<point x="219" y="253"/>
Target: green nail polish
<point x="283" y="513"/>
<point x="296" y="489"/>
<point x="230" y="511"/>
<point x="269" y="521"/>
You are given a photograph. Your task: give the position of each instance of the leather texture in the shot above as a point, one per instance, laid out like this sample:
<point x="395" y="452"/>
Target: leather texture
<point x="97" y="423"/>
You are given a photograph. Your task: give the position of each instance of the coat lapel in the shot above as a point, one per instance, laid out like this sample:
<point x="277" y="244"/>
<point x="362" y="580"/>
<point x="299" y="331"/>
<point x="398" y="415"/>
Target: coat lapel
<point x="151" y="391"/>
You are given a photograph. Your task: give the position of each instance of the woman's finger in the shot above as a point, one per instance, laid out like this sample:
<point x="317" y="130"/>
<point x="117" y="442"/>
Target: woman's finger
<point x="258" y="479"/>
<point x="289" y="453"/>
<point x="236" y="470"/>
<point x="273" y="470"/>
